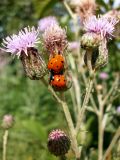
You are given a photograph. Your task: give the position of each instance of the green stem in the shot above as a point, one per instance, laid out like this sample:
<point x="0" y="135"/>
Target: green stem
<point x="72" y="129"/>
<point x="5" y="138"/>
<point x="83" y="108"/>
<point x="69" y="9"/>
<point x="100" y="135"/>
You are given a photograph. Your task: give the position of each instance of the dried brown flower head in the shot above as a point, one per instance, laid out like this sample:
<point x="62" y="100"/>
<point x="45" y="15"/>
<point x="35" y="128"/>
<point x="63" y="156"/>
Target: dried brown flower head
<point x="85" y="9"/>
<point x="55" y="39"/>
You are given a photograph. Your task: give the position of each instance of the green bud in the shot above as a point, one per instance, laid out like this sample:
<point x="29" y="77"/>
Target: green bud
<point x="90" y="40"/>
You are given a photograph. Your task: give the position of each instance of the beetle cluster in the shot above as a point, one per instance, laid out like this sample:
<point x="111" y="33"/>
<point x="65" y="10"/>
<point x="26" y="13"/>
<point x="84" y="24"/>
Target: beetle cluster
<point x="56" y="68"/>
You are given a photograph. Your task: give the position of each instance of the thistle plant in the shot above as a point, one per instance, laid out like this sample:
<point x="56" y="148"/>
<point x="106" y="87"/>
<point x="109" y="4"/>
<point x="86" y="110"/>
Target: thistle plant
<point x="70" y="67"/>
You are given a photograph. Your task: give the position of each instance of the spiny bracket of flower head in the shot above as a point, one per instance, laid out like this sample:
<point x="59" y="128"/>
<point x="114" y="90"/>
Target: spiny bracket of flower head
<point x="58" y="142"/>
<point x="24" y="45"/>
<point x="98" y="32"/>
<point x="55" y="42"/>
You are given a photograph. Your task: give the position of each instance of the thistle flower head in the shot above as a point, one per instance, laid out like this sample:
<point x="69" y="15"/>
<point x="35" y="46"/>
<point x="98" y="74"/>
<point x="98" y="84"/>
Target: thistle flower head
<point x="102" y="25"/>
<point x="46" y="22"/>
<point x="58" y="142"/>
<point x="28" y="37"/>
<point x="7" y="121"/>
<point x="54" y="38"/>
<point x="73" y="46"/>
<point x="103" y="76"/>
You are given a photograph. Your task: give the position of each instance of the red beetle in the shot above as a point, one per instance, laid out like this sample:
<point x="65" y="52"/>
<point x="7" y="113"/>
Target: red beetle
<point x="56" y="64"/>
<point x="58" y="81"/>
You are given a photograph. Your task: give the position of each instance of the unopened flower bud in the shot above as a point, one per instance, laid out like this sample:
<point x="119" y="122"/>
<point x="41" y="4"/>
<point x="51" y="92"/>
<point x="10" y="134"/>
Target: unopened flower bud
<point x="58" y="142"/>
<point x="90" y="40"/>
<point x="33" y="63"/>
<point x="7" y="121"/>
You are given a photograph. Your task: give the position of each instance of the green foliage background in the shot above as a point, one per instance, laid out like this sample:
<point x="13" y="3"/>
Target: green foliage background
<point x="34" y="109"/>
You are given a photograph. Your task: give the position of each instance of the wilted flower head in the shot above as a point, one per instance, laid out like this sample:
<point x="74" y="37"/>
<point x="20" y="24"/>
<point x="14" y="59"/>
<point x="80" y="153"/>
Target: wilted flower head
<point x="7" y="121"/>
<point x="55" y="39"/>
<point x="85" y="8"/>
<point x="58" y="142"/>
<point x="103" y="76"/>
<point x="28" y="37"/>
<point x="103" y="26"/>
<point x="46" y="22"/>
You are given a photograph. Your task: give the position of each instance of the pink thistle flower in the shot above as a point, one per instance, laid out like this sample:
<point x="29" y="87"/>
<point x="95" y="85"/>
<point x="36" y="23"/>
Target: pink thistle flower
<point x="103" y="26"/>
<point x="73" y="46"/>
<point x="28" y="37"/>
<point x="55" y="39"/>
<point x="103" y="76"/>
<point x="56" y="134"/>
<point x="46" y="22"/>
